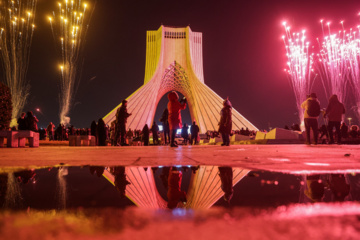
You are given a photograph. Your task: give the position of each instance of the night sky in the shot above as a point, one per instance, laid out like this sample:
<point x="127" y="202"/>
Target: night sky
<point x="244" y="55"/>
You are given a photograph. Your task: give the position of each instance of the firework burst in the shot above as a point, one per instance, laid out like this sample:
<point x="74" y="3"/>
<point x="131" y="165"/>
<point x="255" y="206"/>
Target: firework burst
<point x="16" y="32"/>
<point x="299" y="65"/>
<point x="69" y="25"/>
<point x="334" y="62"/>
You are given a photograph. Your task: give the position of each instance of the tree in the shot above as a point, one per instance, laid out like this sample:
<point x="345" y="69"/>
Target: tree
<point x="5" y="107"/>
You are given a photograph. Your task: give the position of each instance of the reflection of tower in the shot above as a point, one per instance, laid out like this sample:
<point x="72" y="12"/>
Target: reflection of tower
<point x="174" y="62"/>
<point x="205" y="186"/>
<point x="142" y="188"/>
<point x="204" y="189"/>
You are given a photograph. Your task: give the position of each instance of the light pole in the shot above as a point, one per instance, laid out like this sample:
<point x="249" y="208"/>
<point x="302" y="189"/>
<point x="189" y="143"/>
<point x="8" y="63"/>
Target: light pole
<point x="349" y="119"/>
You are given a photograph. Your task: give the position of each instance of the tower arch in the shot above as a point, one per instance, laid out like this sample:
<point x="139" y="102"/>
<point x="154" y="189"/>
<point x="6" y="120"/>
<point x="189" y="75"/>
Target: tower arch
<point x="174" y="62"/>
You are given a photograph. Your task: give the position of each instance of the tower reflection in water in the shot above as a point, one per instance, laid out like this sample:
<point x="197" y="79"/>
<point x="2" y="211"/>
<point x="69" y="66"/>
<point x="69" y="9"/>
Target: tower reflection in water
<point x="184" y="187"/>
<point x="207" y="185"/>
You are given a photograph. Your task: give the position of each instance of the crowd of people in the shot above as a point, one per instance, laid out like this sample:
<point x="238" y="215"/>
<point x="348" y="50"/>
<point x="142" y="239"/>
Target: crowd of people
<point x="118" y="135"/>
<point x="333" y="115"/>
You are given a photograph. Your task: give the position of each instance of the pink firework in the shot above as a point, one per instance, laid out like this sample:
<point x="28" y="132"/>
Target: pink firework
<point x="299" y="65"/>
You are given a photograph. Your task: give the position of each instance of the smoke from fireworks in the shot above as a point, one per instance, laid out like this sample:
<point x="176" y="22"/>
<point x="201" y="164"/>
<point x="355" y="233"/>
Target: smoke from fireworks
<point x="17" y="28"/>
<point x="299" y="65"/>
<point x="69" y="25"/>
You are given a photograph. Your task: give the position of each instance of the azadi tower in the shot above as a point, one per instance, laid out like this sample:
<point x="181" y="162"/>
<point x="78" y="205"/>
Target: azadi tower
<point x="174" y="62"/>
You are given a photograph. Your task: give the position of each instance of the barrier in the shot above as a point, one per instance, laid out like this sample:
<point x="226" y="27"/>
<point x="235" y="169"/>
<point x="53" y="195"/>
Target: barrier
<point x="18" y="138"/>
<point x="82" y="140"/>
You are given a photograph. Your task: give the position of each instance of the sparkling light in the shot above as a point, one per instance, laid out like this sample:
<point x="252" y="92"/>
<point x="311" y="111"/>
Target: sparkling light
<point x="339" y="64"/>
<point x="299" y="65"/>
<point x="70" y="25"/>
<point x="15" y="43"/>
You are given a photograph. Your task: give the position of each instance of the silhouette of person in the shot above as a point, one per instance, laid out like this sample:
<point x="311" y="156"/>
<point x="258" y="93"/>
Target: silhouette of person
<point x="194" y="130"/>
<point x="145" y="135"/>
<point x="334" y="113"/>
<point x="225" y="124"/>
<point x="155" y="130"/>
<point x="101" y="131"/>
<point x="120" y="180"/>
<point x="174" y="194"/>
<point x="121" y="119"/>
<point x="310" y="119"/>
<point x="226" y="177"/>
<point x="165" y="122"/>
<point x="185" y="134"/>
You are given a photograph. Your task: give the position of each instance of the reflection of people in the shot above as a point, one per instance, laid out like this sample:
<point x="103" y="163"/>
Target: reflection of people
<point x="174" y="108"/>
<point x="339" y="187"/>
<point x="174" y="193"/>
<point x="226" y="177"/>
<point x="315" y="188"/>
<point x="120" y="180"/>
<point x="99" y="170"/>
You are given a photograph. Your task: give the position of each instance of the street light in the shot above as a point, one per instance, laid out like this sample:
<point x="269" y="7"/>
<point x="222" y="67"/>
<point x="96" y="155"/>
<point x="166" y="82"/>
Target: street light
<point x="349" y="119"/>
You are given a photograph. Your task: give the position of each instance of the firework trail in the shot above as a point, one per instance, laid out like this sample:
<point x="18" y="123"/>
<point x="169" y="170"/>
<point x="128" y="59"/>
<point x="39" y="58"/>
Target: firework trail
<point x="16" y="32"/>
<point x="354" y="66"/>
<point x="299" y="66"/>
<point x="69" y="25"/>
<point x="334" y="62"/>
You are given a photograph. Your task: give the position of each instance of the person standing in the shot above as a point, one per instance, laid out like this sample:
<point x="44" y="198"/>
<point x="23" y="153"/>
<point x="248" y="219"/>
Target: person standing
<point x="174" y="108"/>
<point x="185" y="134"/>
<point x="225" y="124"/>
<point x="101" y="132"/>
<point x="121" y="120"/>
<point x="166" y="128"/>
<point x="31" y="122"/>
<point x="194" y="130"/>
<point x="155" y="130"/>
<point x="334" y="113"/>
<point x="311" y="114"/>
<point x="22" y="122"/>
<point x="145" y="135"/>
<point x="50" y="130"/>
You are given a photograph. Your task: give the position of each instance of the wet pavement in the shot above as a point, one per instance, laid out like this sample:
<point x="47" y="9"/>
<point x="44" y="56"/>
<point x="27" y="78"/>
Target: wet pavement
<point x="285" y="158"/>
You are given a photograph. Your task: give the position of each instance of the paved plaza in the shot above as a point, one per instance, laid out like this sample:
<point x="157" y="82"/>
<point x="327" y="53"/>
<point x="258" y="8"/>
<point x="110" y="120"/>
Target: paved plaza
<point x="295" y="158"/>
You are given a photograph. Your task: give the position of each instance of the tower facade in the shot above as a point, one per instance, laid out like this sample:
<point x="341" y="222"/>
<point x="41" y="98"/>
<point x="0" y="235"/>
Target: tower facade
<point x="174" y="62"/>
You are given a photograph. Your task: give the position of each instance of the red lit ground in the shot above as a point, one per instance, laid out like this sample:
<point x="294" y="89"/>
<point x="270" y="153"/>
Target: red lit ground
<point x="297" y="221"/>
<point x="285" y="158"/>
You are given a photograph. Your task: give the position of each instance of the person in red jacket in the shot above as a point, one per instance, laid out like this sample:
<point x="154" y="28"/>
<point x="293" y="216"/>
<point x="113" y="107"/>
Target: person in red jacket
<point x="175" y="107"/>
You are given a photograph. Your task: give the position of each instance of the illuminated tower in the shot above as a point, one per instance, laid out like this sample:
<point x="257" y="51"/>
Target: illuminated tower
<point x="174" y="62"/>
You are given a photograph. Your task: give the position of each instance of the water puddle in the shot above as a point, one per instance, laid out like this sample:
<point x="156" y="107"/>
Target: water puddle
<point x="164" y="187"/>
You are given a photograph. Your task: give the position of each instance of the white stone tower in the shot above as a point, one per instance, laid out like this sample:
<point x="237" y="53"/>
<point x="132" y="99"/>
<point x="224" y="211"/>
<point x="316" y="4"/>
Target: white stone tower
<point x="174" y="62"/>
